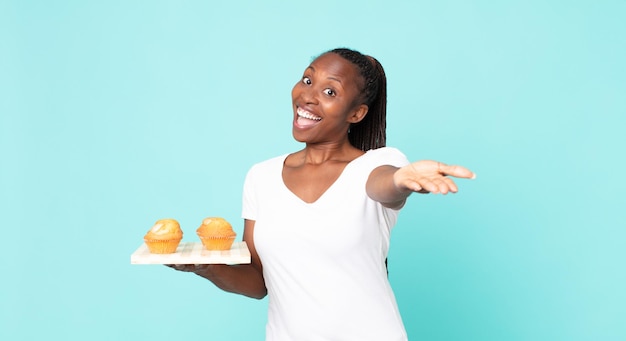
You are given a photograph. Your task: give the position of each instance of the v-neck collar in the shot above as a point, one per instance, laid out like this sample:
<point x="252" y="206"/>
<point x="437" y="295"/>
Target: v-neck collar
<point x="328" y="189"/>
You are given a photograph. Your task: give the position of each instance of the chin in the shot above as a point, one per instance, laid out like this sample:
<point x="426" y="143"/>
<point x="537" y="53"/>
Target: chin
<point x="298" y="138"/>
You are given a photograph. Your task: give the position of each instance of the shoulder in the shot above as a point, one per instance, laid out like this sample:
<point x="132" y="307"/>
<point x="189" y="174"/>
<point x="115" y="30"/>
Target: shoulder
<point x="384" y="151"/>
<point x="270" y="162"/>
<point x="268" y="165"/>
<point x="386" y="156"/>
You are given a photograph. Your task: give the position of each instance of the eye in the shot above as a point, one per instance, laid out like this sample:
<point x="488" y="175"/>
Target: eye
<point x="330" y="92"/>
<point x="306" y="80"/>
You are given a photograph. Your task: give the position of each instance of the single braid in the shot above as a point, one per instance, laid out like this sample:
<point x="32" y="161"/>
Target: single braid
<point x="369" y="133"/>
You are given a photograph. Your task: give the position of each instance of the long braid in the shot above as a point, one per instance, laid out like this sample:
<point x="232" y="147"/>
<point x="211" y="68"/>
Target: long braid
<point x="370" y="133"/>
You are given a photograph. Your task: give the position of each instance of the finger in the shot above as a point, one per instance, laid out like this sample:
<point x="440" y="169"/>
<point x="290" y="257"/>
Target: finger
<point x="421" y="185"/>
<point x="179" y="267"/>
<point x="429" y="185"/>
<point x="450" y="184"/>
<point x="456" y="171"/>
<point x="414" y="186"/>
<point x="442" y="185"/>
<point x="200" y="267"/>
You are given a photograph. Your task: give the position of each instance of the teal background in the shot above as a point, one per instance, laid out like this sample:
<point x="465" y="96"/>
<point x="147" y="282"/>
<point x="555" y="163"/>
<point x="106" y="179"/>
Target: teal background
<point x="114" y="114"/>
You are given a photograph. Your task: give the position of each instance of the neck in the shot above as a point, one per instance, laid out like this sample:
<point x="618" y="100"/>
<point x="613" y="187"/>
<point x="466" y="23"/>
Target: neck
<point x="320" y="153"/>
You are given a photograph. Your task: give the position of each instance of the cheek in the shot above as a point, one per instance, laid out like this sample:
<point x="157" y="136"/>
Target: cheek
<point x="295" y="91"/>
<point x="338" y="109"/>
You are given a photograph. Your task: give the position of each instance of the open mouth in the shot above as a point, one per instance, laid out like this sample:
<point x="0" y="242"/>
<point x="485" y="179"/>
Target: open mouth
<point x="306" y="118"/>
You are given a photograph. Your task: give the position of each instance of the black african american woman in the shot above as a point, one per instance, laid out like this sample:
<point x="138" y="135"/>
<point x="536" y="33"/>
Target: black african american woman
<point x="318" y="221"/>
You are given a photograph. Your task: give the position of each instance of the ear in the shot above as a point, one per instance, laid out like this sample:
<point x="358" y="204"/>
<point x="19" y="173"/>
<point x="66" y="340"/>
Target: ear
<point x="358" y="114"/>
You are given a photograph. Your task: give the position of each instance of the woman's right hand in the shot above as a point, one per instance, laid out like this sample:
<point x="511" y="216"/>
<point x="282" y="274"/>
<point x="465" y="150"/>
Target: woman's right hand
<point x="199" y="269"/>
<point x="244" y="279"/>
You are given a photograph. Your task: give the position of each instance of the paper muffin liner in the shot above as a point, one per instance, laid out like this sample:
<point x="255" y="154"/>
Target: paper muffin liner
<point x="217" y="243"/>
<point x="162" y="246"/>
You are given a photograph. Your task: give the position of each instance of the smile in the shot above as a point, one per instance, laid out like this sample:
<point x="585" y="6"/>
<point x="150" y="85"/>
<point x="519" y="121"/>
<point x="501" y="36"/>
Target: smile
<point x="307" y="115"/>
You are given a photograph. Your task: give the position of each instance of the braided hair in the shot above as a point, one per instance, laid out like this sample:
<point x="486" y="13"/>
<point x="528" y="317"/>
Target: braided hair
<point x="369" y="133"/>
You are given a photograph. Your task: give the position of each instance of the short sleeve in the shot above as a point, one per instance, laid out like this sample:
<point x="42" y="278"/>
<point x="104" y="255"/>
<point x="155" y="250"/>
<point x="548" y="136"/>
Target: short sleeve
<point x="249" y="203"/>
<point x="387" y="156"/>
<point x="392" y="157"/>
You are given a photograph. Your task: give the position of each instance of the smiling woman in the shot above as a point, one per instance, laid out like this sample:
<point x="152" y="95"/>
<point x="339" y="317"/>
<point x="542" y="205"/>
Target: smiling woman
<point x="318" y="221"/>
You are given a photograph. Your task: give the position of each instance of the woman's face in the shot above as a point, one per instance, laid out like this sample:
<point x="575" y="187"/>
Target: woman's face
<point x="326" y="100"/>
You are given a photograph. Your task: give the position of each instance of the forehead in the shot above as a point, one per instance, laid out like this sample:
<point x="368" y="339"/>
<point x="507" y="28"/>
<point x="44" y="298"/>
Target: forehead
<point x="335" y="65"/>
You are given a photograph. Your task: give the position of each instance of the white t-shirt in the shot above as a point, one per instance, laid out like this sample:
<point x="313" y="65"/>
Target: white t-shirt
<point x="324" y="262"/>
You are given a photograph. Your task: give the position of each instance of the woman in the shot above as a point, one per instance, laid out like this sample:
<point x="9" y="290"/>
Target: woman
<point x="318" y="221"/>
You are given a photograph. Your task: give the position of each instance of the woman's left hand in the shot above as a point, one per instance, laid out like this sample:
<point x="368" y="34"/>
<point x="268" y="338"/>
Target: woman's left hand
<point x="429" y="176"/>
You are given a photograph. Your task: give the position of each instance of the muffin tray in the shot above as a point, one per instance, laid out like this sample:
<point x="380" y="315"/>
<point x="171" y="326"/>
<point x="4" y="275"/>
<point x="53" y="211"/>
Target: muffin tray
<point x="193" y="253"/>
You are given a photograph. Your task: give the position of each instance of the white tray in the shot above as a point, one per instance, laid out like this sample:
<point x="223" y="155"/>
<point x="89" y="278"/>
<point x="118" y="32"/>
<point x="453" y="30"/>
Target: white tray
<point x="193" y="253"/>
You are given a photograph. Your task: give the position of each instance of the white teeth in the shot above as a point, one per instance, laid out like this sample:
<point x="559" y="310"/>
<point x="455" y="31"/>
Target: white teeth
<point x="307" y="115"/>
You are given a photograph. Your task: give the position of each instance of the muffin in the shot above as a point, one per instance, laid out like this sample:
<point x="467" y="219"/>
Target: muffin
<point x="164" y="236"/>
<point x="216" y="234"/>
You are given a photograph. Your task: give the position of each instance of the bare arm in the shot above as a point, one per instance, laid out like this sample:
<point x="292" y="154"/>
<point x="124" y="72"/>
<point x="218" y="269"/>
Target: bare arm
<point x="243" y="279"/>
<point x="391" y="185"/>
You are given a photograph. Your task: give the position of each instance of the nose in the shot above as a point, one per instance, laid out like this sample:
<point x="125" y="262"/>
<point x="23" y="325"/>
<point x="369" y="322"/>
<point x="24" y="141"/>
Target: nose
<point x="308" y="95"/>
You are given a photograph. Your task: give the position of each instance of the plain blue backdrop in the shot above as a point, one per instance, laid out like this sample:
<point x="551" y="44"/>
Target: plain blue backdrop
<point x="114" y="114"/>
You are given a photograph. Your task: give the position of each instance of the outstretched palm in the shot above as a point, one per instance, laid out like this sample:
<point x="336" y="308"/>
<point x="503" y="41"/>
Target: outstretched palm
<point x="429" y="176"/>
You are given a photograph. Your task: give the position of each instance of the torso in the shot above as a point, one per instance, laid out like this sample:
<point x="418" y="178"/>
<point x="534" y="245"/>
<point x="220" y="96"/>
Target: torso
<point x="324" y="261"/>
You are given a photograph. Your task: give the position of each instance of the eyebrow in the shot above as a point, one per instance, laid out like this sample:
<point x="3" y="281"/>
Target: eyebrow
<point x="333" y="78"/>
